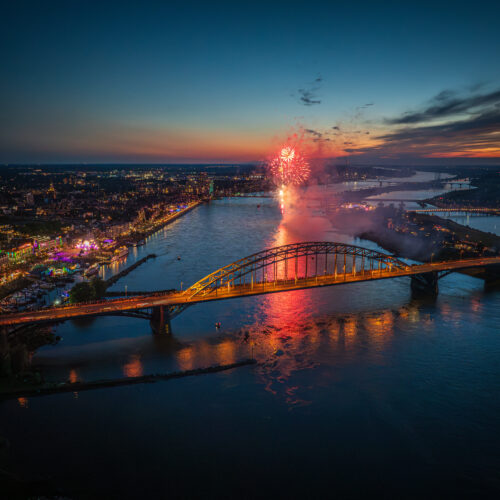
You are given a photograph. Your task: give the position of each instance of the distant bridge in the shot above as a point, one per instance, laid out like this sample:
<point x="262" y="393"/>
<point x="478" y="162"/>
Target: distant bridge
<point x="467" y="210"/>
<point x="281" y="269"/>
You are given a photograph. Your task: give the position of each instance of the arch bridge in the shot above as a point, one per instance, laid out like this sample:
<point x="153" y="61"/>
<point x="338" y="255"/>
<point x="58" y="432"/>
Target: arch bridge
<point x="279" y="269"/>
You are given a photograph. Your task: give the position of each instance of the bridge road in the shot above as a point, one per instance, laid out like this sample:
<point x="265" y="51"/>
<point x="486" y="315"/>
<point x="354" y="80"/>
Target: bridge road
<point x="233" y="291"/>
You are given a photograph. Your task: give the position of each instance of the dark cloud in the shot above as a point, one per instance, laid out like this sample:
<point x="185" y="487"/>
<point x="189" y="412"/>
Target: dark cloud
<point x="317" y="136"/>
<point x="446" y="104"/>
<point x="468" y="126"/>
<point x="476" y="86"/>
<point x="364" y="106"/>
<point x="477" y="133"/>
<point x="313" y="132"/>
<point x="485" y="123"/>
<point x="308" y="97"/>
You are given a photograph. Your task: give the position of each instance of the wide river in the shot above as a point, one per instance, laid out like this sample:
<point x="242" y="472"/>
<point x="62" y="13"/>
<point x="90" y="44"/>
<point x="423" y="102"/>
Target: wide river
<point x="360" y="390"/>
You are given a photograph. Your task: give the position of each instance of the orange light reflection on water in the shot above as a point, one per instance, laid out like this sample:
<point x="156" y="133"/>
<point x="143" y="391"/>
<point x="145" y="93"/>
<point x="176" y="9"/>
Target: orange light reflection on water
<point x="73" y="376"/>
<point x="134" y="367"/>
<point x="185" y="358"/>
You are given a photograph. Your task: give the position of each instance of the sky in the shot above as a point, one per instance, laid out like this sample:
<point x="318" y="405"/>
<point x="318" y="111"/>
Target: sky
<point x="225" y="82"/>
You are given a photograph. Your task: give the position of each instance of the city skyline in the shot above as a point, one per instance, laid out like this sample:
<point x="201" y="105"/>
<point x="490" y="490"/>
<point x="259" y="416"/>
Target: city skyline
<point x="225" y="83"/>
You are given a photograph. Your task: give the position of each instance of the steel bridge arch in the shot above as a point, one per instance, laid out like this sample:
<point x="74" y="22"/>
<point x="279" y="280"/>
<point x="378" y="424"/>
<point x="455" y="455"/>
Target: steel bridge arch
<point x="240" y="269"/>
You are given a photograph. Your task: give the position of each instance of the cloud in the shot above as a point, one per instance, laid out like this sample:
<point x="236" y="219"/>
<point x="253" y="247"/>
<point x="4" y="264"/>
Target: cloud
<point x="487" y="123"/>
<point x="364" y="106"/>
<point x="476" y="136"/>
<point x="452" y="124"/>
<point x="447" y="104"/>
<point x="307" y="95"/>
<point x="313" y="132"/>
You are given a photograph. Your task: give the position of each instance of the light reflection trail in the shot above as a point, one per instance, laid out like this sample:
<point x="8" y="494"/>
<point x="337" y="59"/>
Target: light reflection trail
<point x="134" y="367"/>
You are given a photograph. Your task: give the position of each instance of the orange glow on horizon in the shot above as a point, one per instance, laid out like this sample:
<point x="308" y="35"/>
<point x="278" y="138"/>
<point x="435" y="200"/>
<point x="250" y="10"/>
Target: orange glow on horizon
<point x="471" y="153"/>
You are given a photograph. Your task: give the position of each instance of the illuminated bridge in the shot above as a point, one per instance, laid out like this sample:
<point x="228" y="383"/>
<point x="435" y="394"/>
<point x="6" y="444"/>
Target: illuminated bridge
<point x="280" y="269"/>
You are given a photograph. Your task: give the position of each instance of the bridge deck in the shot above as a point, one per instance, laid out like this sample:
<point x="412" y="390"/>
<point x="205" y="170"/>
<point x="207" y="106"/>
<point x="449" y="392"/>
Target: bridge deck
<point x="183" y="298"/>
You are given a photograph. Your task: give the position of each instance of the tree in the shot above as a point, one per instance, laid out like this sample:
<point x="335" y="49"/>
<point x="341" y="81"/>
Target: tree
<point x="82" y="292"/>
<point x="87" y="290"/>
<point x="99" y="287"/>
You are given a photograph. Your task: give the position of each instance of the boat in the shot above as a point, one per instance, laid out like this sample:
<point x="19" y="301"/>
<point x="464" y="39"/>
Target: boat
<point x="46" y="286"/>
<point x="93" y="269"/>
<point x="120" y="253"/>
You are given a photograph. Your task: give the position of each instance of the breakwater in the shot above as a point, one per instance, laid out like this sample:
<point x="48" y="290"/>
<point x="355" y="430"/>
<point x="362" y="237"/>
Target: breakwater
<point x="111" y="281"/>
<point x="57" y="388"/>
<point x="129" y="269"/>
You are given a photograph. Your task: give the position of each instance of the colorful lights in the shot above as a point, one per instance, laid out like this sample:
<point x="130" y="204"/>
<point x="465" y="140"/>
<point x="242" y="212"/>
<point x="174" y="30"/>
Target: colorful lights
<point x="289" y="168"/>
<point x="87" y="245"/>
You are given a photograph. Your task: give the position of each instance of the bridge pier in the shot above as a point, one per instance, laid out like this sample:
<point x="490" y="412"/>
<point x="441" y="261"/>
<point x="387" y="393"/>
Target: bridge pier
<point x="492" y="281"/>
<point x="5" y="357"/>
<point x="160" y="321"/>
<point x="425" y="284"/>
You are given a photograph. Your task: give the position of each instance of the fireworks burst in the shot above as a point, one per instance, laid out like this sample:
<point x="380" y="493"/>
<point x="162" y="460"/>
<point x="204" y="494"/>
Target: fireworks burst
<point x="289" y="168"/>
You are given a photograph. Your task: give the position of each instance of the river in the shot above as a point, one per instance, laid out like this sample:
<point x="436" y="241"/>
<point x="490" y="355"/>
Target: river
<point x="359" y="389"/>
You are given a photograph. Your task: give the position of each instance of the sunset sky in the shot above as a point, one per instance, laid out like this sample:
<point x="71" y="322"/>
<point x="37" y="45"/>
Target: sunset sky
<point x="164" y="82"/>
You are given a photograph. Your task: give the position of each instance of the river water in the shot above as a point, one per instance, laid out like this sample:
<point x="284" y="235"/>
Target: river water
<point x="360" y="389"/>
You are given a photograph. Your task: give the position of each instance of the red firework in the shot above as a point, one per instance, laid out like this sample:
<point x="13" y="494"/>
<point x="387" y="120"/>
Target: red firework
<point x="289" y="168"/>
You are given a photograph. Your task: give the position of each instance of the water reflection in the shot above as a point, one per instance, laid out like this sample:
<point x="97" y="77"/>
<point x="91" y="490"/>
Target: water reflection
<point x="380" y="328"/>
<point x="23" y="402"/>
<point x="73" y="376"/>
<point x="185" y="358"/>
<point x="134" y="367"/>
<point x="289" y="333"/>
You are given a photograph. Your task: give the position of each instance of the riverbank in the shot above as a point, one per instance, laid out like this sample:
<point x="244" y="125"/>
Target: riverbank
<point x="417" y="236"/>
<point x="30" y="390"/>
<point x="485" y="193"/>
<point x="451" y="240"/>
<point x="362" y="194"/>
<point x="140" y="235"/>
